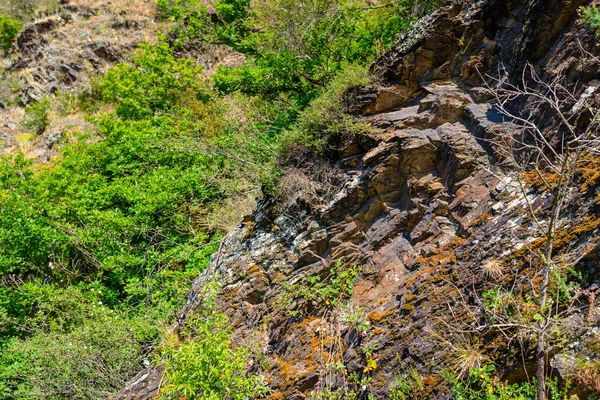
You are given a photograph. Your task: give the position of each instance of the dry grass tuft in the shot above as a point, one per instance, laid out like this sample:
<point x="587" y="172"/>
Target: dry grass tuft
<point x="493" y="269"/>
<point x="226" y="215"/>
<point x="25" y="142"/>
<point x="468" y="356"/>
<point x="311" y="183"/>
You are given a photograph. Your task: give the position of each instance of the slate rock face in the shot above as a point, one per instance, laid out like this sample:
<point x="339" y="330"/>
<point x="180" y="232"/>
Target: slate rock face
<point x="423" y="206"/>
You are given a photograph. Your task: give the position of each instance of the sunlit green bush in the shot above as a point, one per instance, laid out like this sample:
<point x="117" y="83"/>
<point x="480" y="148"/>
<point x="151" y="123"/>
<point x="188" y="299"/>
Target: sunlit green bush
<point x="9" y="29"/>
<point x="590" y="16"/>
<point x="92" y="361"/>
<point x="206" y="364"/>
<point x="36" y="116"/>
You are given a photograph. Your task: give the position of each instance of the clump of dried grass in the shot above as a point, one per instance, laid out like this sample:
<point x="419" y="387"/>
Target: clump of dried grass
<point x="493" y="268"/>
<point x="468" y="356"/>
<point x="466" y="353"/>
<point x="307" y="185"/>
<point x="226" y="215"/>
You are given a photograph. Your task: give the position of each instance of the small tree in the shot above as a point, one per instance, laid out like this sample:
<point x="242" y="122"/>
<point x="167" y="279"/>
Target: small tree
<point x="555" y="133"/>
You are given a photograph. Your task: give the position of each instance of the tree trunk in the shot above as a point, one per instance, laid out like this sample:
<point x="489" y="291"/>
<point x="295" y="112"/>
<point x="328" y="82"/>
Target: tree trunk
<point x="540" y="372"/>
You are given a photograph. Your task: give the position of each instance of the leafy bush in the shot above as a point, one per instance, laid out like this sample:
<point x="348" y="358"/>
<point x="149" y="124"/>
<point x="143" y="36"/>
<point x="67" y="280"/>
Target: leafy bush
<point x="10" y="87"/>
<point x="293" y="47"/>
<point x="326" y="116"/>
<point x="153" y="84"/>
<point x="483" y="385"/>
<point x="301" y="46"/>
<point x="407" y="387"/>
<point x="207" y="365"/>
<point x="162" y="9"/>
<point x="24" y="10"/>
<point x="9" y="29"/>
<point x="121" y="216"/>
<point x="93" y="361"/>
<point x="590" y="16"/>
<point x="36" y="116"/>
<point x="329" y="292"/>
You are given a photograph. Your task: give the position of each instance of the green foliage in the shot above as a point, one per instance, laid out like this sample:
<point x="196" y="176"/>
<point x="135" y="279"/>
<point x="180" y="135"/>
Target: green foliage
<point x="357" y="319"/>
<point x="590" y="16"/>
<point x="337" y="285"/>
<point x="25" y="10"/>
<point x="326" y="117"/>
<point x="299" y="47"/>
<point x="206" y="365"/>
<point x="119" y="218"/>
<point x="9" y="29"/>
<point x="357" y="387"/>
<point x="329" y="291"/>
<point x="483" y="385"/>
<point x="336" y="394"/>
<point x="162" y="9"/>
<point x="153" y="84"/>
<point x="10" y="87"/>
<point x="36" y="116"/>
<point x="408" y="386"/>
<point x="91" y="361"/>
<point x="293" y="48"/>
<point x="98" y="248"/>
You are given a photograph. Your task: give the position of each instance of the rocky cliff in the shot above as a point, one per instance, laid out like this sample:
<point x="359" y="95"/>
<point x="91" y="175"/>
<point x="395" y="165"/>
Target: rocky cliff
<point x="425" y="205"/>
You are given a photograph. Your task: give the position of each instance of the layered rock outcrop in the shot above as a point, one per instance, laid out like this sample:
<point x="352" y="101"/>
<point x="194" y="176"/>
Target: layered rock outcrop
<point x="425" y="203"/>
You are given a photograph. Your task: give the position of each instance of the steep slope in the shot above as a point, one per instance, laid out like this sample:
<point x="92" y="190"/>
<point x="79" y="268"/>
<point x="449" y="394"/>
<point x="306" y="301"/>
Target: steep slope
<point x="59" y="55"/>
<point x="424" y="205"/>
<point x="63" y="55"/>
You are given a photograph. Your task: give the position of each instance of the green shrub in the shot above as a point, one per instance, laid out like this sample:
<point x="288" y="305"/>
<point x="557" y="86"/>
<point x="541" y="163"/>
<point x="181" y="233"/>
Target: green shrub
<point x="120" y="217"/>
<point x="328" y="292"/>
<point x="162" y="9"/>
<point x="9" y="29"/>
<point x="153" y="84"/>
<point x="121" y="213"/>
<point x="93" y="361"/>
<point x="407" y="387"/>
<point x="483" y="384"/>
<point x="36" y="116"/>
<point x="326" y="116"/>
<point x="207" y="365"/>
<point x="295" y="47"/>
<point x="10" y="87"/>
<point x="590" y="16"/>
<point x="25" y="10"/>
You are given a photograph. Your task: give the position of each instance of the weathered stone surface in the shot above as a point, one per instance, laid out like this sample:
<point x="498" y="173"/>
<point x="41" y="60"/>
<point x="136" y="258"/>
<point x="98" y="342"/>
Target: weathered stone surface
<point x="144" y="386"/>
